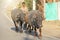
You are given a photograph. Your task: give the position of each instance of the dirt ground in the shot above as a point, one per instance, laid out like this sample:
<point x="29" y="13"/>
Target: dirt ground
<point x="51" y="28"/>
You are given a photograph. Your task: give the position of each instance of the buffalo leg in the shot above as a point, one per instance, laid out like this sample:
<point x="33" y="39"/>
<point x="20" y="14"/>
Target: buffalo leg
<point x="40" y="33"/>
<point x="16" y="27"/>
<point x="29" y="28"/>
<point x="21" y="26"/>
<point x="35" y="32"/>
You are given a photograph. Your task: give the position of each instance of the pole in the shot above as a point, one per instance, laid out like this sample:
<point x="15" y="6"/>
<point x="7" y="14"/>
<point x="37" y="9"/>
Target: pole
<point x="34" y="5"/>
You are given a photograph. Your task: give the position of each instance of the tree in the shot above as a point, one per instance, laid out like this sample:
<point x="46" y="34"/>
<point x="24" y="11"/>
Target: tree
<point x="29" y="4"/>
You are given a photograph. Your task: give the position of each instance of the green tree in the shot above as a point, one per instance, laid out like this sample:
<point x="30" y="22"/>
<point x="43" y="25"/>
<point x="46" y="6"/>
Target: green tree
<point x="29" y="4"/>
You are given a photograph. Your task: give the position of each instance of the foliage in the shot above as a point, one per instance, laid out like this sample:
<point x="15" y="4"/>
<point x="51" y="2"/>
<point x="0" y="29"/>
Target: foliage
<point x="29" y="4"/>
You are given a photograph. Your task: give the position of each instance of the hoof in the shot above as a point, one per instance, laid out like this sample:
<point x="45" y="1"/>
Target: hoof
<point x="35" y="34"/>
<point x="40" y="36"/>
<point x="29" y="31"/>
<point x="21" y="31"/>
<point x="16" y="30"/>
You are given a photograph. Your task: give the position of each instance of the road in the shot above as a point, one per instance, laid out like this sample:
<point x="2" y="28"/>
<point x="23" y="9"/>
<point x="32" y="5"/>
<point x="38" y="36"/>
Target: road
<point x="50" y="30"/>
<point x="7" y="31"/>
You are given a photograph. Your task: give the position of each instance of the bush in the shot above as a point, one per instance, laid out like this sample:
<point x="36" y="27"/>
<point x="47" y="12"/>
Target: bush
<point x="29" y="4"/>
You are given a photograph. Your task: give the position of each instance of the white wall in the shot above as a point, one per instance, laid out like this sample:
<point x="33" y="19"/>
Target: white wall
<point x="58" y="10"/>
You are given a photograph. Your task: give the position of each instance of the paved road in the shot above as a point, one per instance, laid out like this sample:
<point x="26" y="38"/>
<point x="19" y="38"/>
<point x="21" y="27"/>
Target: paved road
<point x="7" y="30"/>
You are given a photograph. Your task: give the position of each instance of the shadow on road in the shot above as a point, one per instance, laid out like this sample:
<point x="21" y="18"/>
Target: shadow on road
<point x="25" y="31"/>
<point x="14" y="29"/>
<point x="27" y="37"/>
